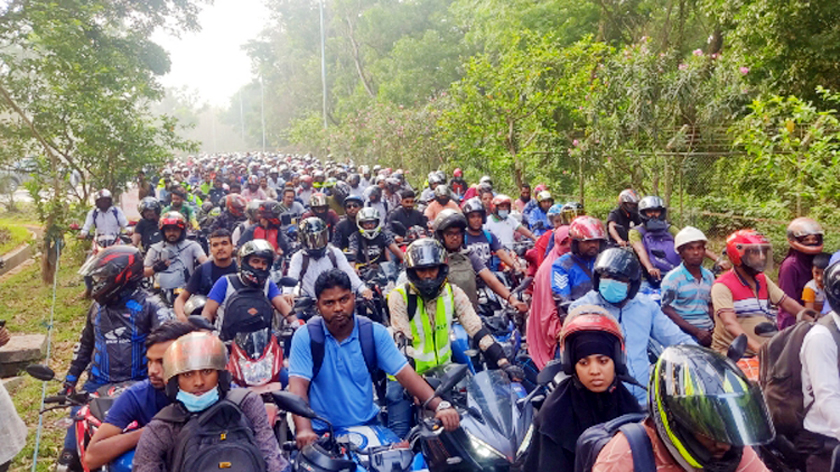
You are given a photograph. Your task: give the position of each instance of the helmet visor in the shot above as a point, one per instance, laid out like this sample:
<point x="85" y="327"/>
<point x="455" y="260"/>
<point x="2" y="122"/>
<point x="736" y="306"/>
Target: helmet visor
<point x="425" y="255"/>
<point x="315" y="240"/>
<point x="758" y="257"/>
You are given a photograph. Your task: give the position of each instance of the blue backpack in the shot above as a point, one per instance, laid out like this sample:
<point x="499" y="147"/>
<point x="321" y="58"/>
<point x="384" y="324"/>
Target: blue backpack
<point x="660" y="249"/>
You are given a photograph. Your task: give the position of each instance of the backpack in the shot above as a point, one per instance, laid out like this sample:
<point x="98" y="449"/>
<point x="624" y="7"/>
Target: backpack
<point x="246" y="310"/>
<point x="206" y="277"/>
<point x="660" y="249"/>
<point x="590" y="443"/>
<point x="220" y="437"/>
<point x="96" y="214"/>
<point x="462" y="275"/>
<point x="780" y="374"/>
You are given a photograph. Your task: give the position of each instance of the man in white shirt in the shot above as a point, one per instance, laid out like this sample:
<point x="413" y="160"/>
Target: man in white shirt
<point x="107" y="218"/>
<point x="821" y="381"/>
<point x="503" y="225"/>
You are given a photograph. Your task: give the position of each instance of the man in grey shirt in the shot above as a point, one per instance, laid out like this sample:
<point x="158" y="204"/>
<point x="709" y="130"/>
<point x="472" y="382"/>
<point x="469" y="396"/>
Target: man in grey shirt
<point x="173" y="260"/>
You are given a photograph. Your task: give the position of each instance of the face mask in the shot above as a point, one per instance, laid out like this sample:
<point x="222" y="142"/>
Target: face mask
<point x="613" y="291"/>
<point x="196" y="403"/>
<point x="503" y="214"/>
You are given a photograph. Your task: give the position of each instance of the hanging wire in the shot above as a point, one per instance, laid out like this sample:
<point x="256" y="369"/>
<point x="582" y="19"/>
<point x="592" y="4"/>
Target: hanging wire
<point x="49" y="346"/>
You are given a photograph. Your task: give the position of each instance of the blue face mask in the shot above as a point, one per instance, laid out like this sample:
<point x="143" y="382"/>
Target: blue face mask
<point x="613" y="291"/>
<point x="196" y="403"/>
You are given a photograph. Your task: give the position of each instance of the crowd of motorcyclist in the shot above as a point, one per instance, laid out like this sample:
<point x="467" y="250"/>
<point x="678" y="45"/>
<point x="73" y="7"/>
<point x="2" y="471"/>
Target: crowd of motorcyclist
<point x="371" y="280"/>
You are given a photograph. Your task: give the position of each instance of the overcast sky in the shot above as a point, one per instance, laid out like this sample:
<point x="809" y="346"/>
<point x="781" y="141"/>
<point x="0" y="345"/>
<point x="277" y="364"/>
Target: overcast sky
<point x="212" y="61"/>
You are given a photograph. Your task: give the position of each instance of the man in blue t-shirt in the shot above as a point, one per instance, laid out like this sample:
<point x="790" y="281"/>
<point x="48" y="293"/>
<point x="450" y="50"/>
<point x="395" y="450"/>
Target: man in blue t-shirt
<point x="342" y="391"/>
<point x="203" y="279"/>
<point x="139" y="403"/>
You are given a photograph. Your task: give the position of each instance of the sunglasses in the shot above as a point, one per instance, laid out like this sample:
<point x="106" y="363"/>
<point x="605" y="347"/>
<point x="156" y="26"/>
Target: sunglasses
<point x="352" y="205"/>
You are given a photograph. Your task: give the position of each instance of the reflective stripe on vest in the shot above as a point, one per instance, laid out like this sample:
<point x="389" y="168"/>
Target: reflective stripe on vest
<point x="431" y="344"/>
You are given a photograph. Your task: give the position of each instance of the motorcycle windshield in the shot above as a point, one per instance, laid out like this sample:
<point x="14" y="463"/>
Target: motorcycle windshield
<point x="491" y="391"/>
<point x="253" y="343"/>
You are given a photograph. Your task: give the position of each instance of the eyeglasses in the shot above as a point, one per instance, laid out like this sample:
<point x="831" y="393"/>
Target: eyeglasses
<point x="452" y="234"/>
<point x="352" y="205"/>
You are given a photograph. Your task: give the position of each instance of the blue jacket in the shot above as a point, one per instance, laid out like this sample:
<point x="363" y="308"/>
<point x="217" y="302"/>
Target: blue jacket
<point x="640" y="319"/>
<point x="568" y="280"/>
<point x="538" y="216"/>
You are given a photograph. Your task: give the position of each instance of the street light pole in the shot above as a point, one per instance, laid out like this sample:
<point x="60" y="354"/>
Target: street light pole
<point x="262" y="111"/>
<point x="323" y="63"/>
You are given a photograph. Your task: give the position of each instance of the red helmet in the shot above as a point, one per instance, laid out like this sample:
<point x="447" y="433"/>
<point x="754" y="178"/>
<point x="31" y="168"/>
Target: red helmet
<point x="236" y="204"/>
<point x="587" y="228"/>
<point x="306" y="178"/>
<point x="502" y="199"/>
<point x="172" y="218"/>
<point x="539" y="188"/>
<point x="591" y="318"/>
<point x="746" y="247"/>
<point x="458" y="172"/>
<point x="801" y="228"/>
<point x="253" y="180"/>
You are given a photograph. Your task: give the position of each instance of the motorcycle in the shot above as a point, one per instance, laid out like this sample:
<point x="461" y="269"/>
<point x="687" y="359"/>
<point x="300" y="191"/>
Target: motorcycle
<point x="380" y="278"/>
<point x="90" y="416"/>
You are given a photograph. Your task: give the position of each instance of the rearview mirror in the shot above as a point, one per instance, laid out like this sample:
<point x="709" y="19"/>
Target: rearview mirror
<point x="451" y="378"/>
<point x="737" y="348"/>
<point x="288" y="282"/>
<point x="550" y="371"/>
<point x="40" y="372"/>
<point x="766" y="329"/>
<point x="293" y="404"/>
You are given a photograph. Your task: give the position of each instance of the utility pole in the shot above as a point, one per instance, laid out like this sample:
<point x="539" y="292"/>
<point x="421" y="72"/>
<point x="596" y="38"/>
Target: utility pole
<point x="323" y="62"/>
<point x="262" y="111"/>
<point x="241" y="117"/>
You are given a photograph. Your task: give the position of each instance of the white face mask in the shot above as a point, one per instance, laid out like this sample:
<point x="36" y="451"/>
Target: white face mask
<point x="504" y="213"/>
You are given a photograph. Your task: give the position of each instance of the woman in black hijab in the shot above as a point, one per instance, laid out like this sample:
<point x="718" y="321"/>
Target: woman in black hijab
<point x="592" y="354"/>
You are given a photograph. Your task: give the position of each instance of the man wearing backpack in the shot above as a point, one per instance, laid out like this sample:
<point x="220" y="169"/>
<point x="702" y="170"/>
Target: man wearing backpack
<point x="820" y="382"/>
<point x="203" y="279"/>
<point x="336" y="358"/>
<point x="482" y="241"/>
<point x="704" y="414"/>
<point x="250" y="296"/>
<point x="208" y="424"/>
<point x="107" y="218"/>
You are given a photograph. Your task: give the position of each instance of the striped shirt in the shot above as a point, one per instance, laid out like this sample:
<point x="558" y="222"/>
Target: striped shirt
<point x="688" y="296"/>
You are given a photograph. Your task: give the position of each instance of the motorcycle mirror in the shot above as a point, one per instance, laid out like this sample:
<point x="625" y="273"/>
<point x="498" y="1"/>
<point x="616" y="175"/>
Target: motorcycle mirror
<point x="766" y="329"/>
<point x="200" y="322"/>
<point x="549" y="372"/>
<point x="294" y="404"/>
<point x="835" y="460"/>
<point x="288" y="282"/>
<point x="398" y="228"/>
<point x="451" y="378"/>
<point x="737" y="348"/>
<point x="40" y="372"/>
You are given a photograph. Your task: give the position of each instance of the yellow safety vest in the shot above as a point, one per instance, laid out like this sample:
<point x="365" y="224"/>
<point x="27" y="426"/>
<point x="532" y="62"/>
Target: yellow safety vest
<point x="431" y="343"/>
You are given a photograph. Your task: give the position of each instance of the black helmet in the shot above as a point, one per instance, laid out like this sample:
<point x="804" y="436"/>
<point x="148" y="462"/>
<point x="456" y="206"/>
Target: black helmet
<point x="314" y="236"/>
<point x="696" y="390"/>
<point x="270" y="210"/>
<point x="619" y="264"/>
<point x="474" y="205"/>
<point x="149" y="203"/>
<point x="255" y="248"/>
<point x="652" y="202"/>
<point x="831" y="285"/>
<point x="354" y="180"/>
<point x="447" y="219"/>
<point x="422" y="254"/>
<point x="340" y="191"/>
<point x="442" y="192"/>
<point x="116" y="271"/>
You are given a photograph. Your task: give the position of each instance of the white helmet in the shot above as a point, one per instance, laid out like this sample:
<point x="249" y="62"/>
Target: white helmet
<point x="689" y="234"/>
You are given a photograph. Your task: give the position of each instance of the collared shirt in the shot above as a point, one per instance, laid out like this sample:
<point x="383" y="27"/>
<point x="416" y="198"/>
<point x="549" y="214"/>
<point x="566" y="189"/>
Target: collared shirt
<point x="821" y="380"/>
<point x="731" y="292"/>
<point x="317" y="267"/>
<point x="640" y="320"/>
<point x="688" y="296"/>
<point x="110" y="221"/>
<point x="504" y="229"/>
<point x="343" y="391"/>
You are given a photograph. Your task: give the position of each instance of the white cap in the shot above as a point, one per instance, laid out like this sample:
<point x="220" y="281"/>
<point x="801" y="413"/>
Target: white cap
<point x="689" y="234"/>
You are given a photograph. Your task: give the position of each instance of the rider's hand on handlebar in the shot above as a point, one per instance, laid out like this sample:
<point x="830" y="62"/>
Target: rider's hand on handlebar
<point x="368" y="294"/>
<point x="160" y="266"/>
<point x="519" y="306"/>
<point x="655" y="273"/>
<point x="449" y="418"/>
<point x="516" y="373"/>
<point x="68" y="389"/>
<point x="305" y="438"/>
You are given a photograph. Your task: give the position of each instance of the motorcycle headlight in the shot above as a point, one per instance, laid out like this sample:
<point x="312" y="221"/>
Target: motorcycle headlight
<point x="258" y="372"/>
<point x="526" y="442"/>
<point x="483" y="449"/>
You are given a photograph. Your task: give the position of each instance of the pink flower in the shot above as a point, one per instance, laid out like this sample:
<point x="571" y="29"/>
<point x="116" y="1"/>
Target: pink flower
<point x="683" y="67"/>
<point x="698" y="52"/>
<point x="575" y="143"/>
<point x="715" y="56"/>
<point x="744" y="70"/>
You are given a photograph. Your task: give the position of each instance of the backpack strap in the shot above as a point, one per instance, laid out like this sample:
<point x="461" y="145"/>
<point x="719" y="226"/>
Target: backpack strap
<point x="207" y="276"/>
<point x="368" y="345"/>
<point x="316" y="344"/>
<point x="318" y="349"/>
<point x="304" y="266"/>
<point x="237" y="396"/>
<point x="487" y="235"/>
<point x="412" y="304"/>
<point x="332" y="257"/>
<point x="234" y="280"/>
<point x="173" y="413"/>
<point x="640" y="447"/>
<point x="116" y="215"/>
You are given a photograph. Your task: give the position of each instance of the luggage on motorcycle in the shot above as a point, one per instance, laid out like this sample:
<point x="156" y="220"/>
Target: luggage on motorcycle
<point x="247" y="310"/>
<point x="220" y="437"/>
<point x="590" y="443"/>
<point x="462" y="275"/>
<point x="780" y="375"/>
<point x="660" y="249"/>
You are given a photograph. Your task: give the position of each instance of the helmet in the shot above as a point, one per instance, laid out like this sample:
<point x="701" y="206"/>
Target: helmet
<point x="195" y="304"/>
<point x="314" y="236"/>
<point x="501" y="199"/>
<point x="115" y="271"/>
<point x="485" y="179"/>
<point x="306" y="179"/>
<point x="355" y="199"/>
<point x="318" y="176"/>
<point x="354" y="180"/>
<point x="377" y="168"/>
<point x="434" y="178"/>
<point x="447" y="219"/>
<point x="253" y="180"/>
<point x="745" y="248"/>
<point x="364" y="170"/>
<point x="198" y="350"/>
<point x="442" y="191"/>
<point x="270" y="210"/>
<point x="539" y="188"/>
<point x="317" y="199"/>
<point x="544" y="195"/>
<point x="252" y="211"/>
<point x="831" y="286"/>
<point x="236" y="204"/>
<point x="652" y="202"/>
<point x="422" y="254"/>
<point x="591" y="318"/>
<point x="618" y="264"/>
<point x="104" y="193"/>
<point x="689" y="234"/>
<point x="474" y="205"/>
<point x="368" y="215"/>
<point x="340" y="191"/>
<point x="149" y="203"/>
<point x="586" y="228"/>
<point x="255" y="248"/>
<point x="481" y="189"/>
<point x="800" y="228"/>
<point x="696" y="390"/>
<point x="555" y="210"/>
<point x="458" y="172"/>
<point x="173" y="218"/>
<point x="628" y="195"/>
<point x="570" y="211"/>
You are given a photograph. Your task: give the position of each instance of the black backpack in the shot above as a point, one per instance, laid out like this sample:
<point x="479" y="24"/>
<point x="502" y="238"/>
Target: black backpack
<point x="590" y="443"/>
<point x="246" y="310"/>
<point x="220" y="437"/>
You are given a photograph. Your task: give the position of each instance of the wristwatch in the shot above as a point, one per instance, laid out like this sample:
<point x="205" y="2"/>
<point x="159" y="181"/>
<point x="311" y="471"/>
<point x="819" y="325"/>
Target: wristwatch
<point x="444" y="405"/>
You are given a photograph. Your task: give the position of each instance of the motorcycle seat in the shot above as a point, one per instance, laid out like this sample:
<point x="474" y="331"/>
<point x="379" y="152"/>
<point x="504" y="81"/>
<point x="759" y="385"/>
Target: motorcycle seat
<point x="99" y="407"/>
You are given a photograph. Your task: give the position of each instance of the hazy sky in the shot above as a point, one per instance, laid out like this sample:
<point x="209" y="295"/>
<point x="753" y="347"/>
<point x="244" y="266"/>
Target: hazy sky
<point x="212" y="60"/>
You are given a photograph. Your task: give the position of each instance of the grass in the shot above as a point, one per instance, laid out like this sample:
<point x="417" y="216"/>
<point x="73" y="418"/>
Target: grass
<point x="12" y="235"/>
<point x="26" y="309"/>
